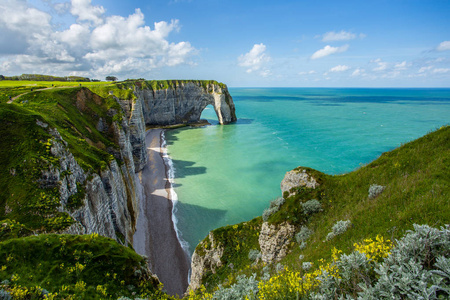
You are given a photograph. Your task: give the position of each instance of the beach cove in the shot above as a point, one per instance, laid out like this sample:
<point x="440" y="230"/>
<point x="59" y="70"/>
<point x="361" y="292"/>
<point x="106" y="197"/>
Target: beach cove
<point x="155" y="235"/>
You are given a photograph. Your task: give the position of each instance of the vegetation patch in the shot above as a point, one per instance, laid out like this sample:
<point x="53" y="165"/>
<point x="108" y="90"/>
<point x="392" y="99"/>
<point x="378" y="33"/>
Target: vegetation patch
<point x="238" y="240"/>
<point x="74" y="267"/>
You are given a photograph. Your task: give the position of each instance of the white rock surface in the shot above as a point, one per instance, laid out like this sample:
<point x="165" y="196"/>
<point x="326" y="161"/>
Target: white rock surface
<point x="297" y="178"/>
<point x="274" y="241"/>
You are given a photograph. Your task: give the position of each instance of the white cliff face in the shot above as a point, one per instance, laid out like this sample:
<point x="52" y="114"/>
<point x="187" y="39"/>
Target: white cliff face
<point x="185" y="104"/>
<point x="110" y="203"/>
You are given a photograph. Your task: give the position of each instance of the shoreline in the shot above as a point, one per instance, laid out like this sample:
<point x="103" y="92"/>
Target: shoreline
<point x="156" y="235"/>
<point x="172" y="195"/>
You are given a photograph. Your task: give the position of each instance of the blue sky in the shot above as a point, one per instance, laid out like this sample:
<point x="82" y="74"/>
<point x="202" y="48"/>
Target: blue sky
<point x="396" y="43"/>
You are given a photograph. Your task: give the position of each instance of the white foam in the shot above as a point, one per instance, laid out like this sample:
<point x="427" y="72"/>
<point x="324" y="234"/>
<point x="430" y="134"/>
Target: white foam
<point x="173" y="196"/>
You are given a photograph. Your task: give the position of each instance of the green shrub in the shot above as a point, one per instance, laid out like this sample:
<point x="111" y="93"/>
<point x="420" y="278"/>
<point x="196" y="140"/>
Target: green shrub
<point x="375" y="190"/>
<point x="302" y="236"/>
<point x="273" y="208"/>
<point x="254" y="255"/>
<point x="245" y="287"/>
<point x="338" y="228"/>
<point x="311" y="207"/>
<point x="417" y="268"/>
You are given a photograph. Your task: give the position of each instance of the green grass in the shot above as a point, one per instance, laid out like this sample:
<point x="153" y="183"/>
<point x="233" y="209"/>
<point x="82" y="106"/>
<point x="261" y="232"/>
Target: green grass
<point x="58" y="262"/>
<point x="417" y="180"/>
<point x="76" y="119"/>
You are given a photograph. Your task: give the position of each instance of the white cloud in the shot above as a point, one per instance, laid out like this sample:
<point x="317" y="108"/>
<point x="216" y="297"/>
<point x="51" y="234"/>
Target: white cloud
<point x="327" y="50"/>
<point x="382" y="65"/>
<point x="424" y="69"/>
<point x="402" y="66"/>
<point x="444" y="46"/>
<point x="95" y="45"/>
<point x="332" y="36"/>
<point x="255" y="59"/>
<point x="441" y="70"/>
<point x="339" y="68"/>
<point x="359" y="72"/>
<point x="265" y="73"/>
<point x="307" y="72"/>
<point x="84" y="10"/>
<point x="16" y="16"/>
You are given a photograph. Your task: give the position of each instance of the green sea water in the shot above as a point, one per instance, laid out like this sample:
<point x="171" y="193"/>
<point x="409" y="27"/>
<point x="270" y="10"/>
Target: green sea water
<point x="229" y="174"/>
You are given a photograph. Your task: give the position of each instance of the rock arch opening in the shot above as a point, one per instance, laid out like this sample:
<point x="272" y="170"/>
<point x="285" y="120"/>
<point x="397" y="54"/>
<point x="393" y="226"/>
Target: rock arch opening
<point x="209" y="115"/>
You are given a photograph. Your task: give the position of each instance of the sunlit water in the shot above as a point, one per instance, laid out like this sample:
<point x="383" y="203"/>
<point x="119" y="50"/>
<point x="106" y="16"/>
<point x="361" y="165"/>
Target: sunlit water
<point x="229" y="174"/>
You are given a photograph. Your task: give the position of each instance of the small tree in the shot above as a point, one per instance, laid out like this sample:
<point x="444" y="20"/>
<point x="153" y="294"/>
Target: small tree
<point x="111" y="78"/>
<point x="2" y="77"/>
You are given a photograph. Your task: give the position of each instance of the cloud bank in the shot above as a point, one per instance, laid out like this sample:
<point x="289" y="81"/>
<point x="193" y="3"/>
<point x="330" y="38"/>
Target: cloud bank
<point x="95" y="45"/>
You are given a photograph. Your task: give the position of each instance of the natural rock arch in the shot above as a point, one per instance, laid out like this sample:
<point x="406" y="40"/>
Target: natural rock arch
<point x="184" y="103"/>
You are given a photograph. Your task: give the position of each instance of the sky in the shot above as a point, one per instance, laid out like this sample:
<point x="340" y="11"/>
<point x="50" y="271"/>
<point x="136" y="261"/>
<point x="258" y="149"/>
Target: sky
<point x="243" y="43"/>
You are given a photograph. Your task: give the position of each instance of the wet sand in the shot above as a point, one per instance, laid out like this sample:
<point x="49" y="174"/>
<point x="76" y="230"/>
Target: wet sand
<point x="155" y="234"/>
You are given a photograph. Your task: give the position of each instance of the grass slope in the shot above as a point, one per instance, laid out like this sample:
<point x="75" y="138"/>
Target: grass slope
<point x="73" y="267"/>
<point x="417" y="180"/>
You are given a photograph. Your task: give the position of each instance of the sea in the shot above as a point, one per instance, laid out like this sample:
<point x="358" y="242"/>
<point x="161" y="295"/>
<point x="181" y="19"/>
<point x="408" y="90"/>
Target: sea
<point x="223" y="175"/>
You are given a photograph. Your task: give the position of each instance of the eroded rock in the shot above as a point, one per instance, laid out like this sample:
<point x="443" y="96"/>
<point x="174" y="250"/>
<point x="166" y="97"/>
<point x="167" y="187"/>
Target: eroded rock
<point x="208" y="260"/>
<point x="274" y="241"/>
<point x="297" y="178"/>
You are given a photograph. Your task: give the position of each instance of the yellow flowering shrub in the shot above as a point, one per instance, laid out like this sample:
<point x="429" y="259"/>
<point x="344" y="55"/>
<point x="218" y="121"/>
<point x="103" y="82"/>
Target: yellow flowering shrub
<point x="375" y="251"/>
<point x="201" y="294"/>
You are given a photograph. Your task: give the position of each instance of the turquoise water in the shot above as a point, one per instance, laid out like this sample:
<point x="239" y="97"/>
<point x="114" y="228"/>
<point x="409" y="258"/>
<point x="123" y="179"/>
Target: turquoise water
<point x="229" y="174"/>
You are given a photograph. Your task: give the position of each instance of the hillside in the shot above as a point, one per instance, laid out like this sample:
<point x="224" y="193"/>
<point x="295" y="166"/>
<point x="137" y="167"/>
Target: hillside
<point x="414" y="181"/>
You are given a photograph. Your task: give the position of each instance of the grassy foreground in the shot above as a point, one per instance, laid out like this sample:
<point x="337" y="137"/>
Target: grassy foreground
<point x="54" y="266"/>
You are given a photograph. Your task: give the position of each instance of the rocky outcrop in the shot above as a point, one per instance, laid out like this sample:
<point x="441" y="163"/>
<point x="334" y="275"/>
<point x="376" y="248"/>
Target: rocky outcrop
<point x="274" y="241"/>
<point x="184" y="103"/>
<point x="206" y="258"/>
<point x="297" y="178"/>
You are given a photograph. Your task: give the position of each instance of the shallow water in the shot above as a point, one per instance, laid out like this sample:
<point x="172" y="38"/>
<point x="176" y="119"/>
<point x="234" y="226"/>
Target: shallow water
<point x="229" y="174"/>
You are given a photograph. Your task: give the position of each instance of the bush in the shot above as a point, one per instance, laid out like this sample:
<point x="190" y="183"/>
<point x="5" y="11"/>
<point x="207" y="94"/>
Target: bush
<point x="4" y="295"/>
<point x="302" y="236"/>
<point x="306" y="265"/>
<point x="375" y="190"/>
<point x="311" y="207"/>
<point x="417" y="268"/>
<point x="246" y="287"/>
<point x="339" y="228"/>
<point x="254" y="255"/>
<point x="273" y="208"/>
<point x="279" y="267"/>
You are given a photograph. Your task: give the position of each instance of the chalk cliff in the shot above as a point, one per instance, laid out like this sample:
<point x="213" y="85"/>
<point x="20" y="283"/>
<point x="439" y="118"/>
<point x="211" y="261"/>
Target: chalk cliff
<point x="184" y="102"/>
